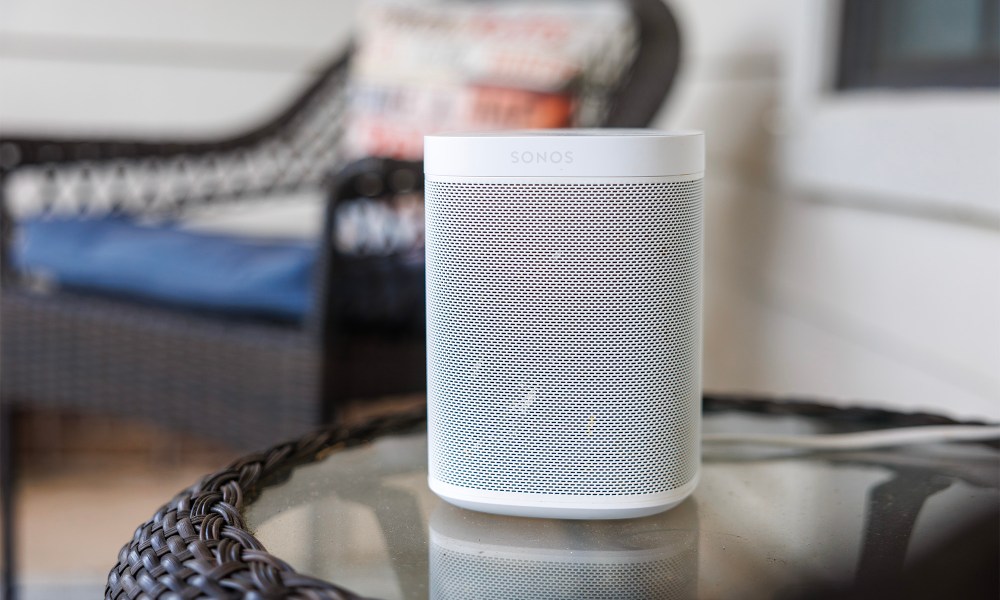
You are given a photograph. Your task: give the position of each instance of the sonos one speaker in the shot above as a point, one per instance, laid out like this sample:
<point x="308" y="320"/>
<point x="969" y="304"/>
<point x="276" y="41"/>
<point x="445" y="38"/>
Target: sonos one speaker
<point x="564" y="275"/>
<point x="481" y="556"/>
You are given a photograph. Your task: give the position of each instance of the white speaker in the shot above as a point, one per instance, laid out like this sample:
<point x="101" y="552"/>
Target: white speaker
<point x="564" y="275"/>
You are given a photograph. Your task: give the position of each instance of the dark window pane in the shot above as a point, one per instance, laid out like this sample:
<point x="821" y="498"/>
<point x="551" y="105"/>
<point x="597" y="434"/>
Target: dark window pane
<point x="919" y="43"/>
<point x="932" y="29"/>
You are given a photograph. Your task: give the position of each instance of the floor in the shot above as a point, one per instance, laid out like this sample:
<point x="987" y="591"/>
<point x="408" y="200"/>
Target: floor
<point x="80" y="501"/>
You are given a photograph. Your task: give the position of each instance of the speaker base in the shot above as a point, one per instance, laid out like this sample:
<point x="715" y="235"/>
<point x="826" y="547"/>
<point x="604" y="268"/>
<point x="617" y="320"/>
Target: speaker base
<point x="553" y="506"/>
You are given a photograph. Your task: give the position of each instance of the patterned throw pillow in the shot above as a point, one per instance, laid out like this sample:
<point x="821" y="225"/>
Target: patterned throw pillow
<point x="425" y="67"/>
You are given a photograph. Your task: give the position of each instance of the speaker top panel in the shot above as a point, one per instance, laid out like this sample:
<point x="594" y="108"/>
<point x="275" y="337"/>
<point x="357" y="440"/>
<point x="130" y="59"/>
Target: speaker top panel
<point x="613" y="153"/>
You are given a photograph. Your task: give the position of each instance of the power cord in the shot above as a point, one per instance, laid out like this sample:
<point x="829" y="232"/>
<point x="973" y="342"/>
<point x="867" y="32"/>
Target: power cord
<point x="883" y="438"/>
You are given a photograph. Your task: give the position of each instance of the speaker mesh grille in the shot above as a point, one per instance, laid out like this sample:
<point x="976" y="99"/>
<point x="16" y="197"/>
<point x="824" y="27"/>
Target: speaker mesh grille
<point x="564" y="336"/>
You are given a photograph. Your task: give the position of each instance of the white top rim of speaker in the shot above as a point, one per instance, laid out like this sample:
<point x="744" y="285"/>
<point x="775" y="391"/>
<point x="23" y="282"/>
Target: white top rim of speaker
<point x="565" y="153"/>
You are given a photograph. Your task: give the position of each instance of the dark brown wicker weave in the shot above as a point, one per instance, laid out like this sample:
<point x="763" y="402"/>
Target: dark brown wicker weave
<point x="237" y="380"/>
<point x="198" y="545"/>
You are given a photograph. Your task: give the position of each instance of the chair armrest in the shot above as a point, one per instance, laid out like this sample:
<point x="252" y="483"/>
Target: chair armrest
<point x="375" y="178"/>
<point x="293" y="150"/>
<point x="29" y="150"/>
<point x="378" y="179"/>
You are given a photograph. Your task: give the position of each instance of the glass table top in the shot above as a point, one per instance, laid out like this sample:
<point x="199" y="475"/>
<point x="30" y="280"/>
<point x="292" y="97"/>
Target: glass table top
<point x="762" y="523"/>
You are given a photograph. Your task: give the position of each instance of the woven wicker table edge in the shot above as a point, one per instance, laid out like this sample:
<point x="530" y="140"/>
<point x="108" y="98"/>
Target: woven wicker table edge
<point x="198" y="545"/>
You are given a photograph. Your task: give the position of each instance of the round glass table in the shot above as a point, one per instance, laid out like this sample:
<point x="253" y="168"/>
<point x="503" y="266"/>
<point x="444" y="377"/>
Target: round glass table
<point x="764" y="522"/>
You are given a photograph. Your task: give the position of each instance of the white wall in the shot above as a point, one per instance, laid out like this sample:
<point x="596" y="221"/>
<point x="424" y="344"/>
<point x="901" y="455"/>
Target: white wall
<point x="827" y="293"/>
<point x="823" y="279"/>
<point x="159" y="67"/>
<point x="934" y="146"/>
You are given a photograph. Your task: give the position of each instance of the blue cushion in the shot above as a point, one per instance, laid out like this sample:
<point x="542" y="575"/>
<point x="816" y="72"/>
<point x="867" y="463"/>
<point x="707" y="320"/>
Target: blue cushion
<point x="198" y="270"/>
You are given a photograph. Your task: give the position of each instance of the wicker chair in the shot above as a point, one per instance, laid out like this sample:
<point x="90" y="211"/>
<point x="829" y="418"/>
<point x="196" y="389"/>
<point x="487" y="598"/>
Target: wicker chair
<point x="244" y="382"/>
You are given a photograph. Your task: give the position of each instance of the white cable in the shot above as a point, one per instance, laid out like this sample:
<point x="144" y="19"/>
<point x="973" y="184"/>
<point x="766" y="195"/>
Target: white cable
<point x="882" y="438"/>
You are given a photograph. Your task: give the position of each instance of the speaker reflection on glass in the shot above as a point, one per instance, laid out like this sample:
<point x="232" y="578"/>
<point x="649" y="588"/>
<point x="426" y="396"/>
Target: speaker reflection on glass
<point x="488" y="556"/>
<point x="564" y="275"/>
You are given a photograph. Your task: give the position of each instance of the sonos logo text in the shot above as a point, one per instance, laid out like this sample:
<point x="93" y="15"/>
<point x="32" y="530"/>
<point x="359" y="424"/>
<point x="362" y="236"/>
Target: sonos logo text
<point x="555" y="157"/>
